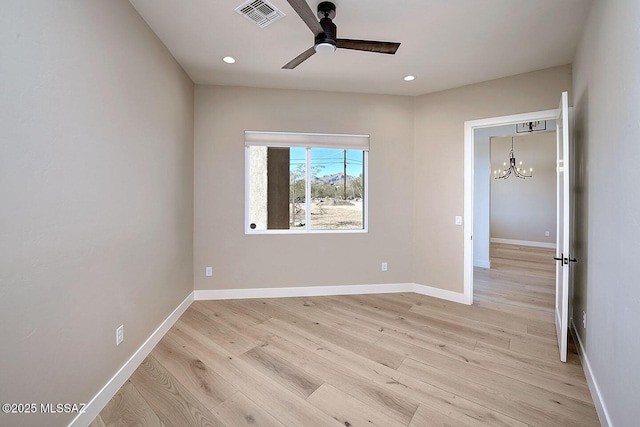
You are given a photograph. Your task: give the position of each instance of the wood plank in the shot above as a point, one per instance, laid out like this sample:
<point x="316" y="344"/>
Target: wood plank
<point x="229" y="338"/>
<point x="409" y="324"/>
<point x="282" y="371"/>
<point x="532" y="313"/>
<point x="555" y="379"/>
<point x="343" y="365"/>
<point x="170" y="400"/>
<point x="240" y="319"/>
<point x="547" y="351"/>
<point x="531" y="388"/>
<point x="348" y="410"/>
<point x="408" y="329"/>
<point x="349" y="341"/>
<point x="453" y="326"/>
<point x="285" y="406"/>
<point x="207" y="386"/>
<point x="478" y="314"/>
<point x="128" y="408"/>
<point x="542" y="304"/>
<point x="569" y="371"/>
<point x="426" y="417"/>
<point x="230" y="315"/>
<point x="320" y="313"/>
<point x="394" y="402"/>
<point x="239" y="411"/>
<point x="548" y="332"/>
<point x="510" y="331"/>
<point x="235" y="318"/>
<point x="509" y="398"/>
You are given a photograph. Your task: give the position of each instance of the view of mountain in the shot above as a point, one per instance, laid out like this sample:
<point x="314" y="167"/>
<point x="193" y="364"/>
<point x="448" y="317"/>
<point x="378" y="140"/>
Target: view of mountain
<point x="334" y="179"/>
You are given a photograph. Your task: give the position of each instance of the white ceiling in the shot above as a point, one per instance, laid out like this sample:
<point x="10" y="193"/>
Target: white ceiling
<point x="445" y="43"/>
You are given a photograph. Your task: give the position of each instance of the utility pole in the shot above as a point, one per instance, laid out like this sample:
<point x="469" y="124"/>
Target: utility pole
<point x="345" y="174"/>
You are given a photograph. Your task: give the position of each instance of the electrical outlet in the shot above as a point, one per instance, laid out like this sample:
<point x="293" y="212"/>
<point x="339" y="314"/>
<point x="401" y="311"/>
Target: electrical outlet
<point x="208" y="271"/>
<point x="584" y="320"/>
<point x="384" y="266"/>
<point x="547" y="234"/>
<point x="119" y="335"/>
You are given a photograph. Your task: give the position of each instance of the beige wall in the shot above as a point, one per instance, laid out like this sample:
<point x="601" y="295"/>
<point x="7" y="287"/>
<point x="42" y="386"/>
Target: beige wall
<point x="416" y="181"/>
<point x="523" y="209"/>
<point x="255" y="261"/>
<point x="96" y="173"/>
<point x="607" y="217"/>
<point x="439" y="156"/>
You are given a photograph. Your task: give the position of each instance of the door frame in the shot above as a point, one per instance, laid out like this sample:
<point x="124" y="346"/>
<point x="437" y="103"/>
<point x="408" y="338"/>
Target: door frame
<point x="469" y="147"/>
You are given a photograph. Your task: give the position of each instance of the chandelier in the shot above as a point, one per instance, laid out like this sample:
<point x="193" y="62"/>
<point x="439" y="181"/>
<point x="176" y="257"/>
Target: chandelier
<point x="537" y="126"/>
<point x="516" y="170"/>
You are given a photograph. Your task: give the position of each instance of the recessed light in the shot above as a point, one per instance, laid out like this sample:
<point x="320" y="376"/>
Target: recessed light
<point x="409" y="78"/>
<point x="229" y="59"/>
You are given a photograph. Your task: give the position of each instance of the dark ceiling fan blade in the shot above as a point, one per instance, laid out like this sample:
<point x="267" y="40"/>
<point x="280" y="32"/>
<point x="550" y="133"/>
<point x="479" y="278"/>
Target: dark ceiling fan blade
<point x="368" y="45"/>
<point x="302" y="8"/>
<point x="300" y="58"/>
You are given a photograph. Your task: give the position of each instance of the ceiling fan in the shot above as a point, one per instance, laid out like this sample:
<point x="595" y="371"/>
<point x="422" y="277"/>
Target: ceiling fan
<point x="325" y="33"/>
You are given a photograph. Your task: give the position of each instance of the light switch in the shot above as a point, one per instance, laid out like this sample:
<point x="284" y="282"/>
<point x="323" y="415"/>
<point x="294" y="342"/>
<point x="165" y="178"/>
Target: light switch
<point x="458" y="220"/>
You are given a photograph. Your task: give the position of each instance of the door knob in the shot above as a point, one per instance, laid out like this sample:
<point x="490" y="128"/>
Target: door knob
<point x="564" y="259"/>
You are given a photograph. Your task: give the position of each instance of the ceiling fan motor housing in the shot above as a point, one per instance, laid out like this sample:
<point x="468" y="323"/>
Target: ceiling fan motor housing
<point x="326" y="9"/>
<point x="326" y="12"/>
<point x="330" y="32"/>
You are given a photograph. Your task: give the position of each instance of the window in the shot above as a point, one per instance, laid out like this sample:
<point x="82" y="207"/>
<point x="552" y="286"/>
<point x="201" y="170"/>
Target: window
<point x="302" y="182"/>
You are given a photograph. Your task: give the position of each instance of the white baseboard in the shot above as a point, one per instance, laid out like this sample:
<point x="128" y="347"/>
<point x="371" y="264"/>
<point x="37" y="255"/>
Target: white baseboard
<point x="440" y="293"/>
<point x="523" y="243"/>
<point x="601" y="409"/>
<point x="309" y="291"/>
<point x="103" y="397"/>
<point x="483" y="263"/>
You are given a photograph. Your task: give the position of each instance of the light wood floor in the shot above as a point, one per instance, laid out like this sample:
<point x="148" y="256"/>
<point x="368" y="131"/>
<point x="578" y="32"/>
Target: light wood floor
<point x="374" y="360"/>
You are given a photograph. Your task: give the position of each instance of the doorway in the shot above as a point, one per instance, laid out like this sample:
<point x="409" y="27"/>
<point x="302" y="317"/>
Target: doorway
<point x="515" y="221"/>
<point x="515" y="211"/>
<point x="470" y="128"/>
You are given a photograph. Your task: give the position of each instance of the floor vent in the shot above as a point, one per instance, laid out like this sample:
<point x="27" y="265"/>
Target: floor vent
<point x="260" y="12"/>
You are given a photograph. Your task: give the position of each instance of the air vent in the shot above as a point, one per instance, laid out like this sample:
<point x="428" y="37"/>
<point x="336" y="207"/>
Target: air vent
<point x="259" y="12"/>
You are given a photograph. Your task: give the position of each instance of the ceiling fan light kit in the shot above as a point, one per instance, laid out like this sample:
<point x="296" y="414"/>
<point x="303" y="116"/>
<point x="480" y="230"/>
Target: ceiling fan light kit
<point x="325" y="47"/>
<point x="326" y="34"/>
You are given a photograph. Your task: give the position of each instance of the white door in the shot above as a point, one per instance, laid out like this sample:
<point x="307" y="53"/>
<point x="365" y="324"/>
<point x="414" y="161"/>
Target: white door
<point x="563" y="223"/>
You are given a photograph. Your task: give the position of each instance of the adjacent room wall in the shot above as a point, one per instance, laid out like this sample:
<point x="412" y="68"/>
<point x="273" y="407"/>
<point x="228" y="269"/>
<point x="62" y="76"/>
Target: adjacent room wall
<point x="242" y="261"/>
<point x="481" y="207"/>
<point x="481" y="192"/>
<point x="607" y="217"/>
<point x="439" y="158"/>
<point x="96" y="187"/>
<point x="524" y="209"/>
